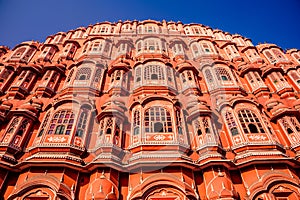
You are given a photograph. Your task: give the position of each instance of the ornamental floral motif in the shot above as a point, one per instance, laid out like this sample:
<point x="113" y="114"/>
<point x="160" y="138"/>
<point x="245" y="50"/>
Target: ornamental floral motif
<point x="257" y="137"/>
<point x="56" y="139"/>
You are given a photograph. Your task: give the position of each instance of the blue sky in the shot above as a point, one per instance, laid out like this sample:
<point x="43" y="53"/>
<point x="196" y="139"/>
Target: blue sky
<point x="275" y="21"/>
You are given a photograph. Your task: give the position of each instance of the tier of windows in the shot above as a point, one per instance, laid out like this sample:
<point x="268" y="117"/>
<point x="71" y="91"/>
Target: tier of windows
<point x="104" y="47"/>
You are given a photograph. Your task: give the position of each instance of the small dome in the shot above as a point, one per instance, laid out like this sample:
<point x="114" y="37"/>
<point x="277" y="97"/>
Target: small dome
<point x="101" y="189"/>
<point x="220" y="187"/>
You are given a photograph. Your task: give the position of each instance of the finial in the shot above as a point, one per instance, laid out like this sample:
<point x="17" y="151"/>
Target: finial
<point x="220" y="173"/>
<point x="112" y="189"/>
<point x="102" y="175"/>
<point x="141" y="176"/>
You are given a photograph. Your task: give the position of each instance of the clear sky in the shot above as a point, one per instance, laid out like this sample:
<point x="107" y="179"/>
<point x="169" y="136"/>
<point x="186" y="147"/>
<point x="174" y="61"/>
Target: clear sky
<point x="272" y="21"/>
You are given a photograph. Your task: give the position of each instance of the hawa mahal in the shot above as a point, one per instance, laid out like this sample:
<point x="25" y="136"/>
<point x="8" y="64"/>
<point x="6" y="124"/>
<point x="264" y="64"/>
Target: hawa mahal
<point x="149" y="110"/>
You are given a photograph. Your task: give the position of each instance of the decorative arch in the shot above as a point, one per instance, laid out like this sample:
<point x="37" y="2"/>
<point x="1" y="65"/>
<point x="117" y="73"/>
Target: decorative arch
<point x="246" y="125"/>
<point x="153" y="186"/>
<point x="219" y="76"/>
<point x="275" y="184"/>
<point x="153" y="73"/>
<point x="47" y="185"/>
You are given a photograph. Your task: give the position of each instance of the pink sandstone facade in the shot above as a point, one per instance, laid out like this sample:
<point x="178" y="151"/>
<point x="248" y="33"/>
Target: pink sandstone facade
<point x="149" y="110"/>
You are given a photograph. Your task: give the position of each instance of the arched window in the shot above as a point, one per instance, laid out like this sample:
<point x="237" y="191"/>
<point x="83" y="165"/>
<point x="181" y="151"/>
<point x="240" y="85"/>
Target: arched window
<point x="4" y="75"/>
<point x="178" y="49"/>
<point x="62" y="123"/>
<point x="150" y="29"/>
<point x="223" y="75"/>
<point x="108" y="126"/>
<point x="179" y="122"/>
<point x="250" y="122"/>
<point x="278" y="54"/>
<point x="13" y="126"/>
<point x="209" y="76"/>
<point x="207" y="47"/>
<point x="139" y="46"/>
<point x="231" y="51"/>
<point x="83" y="73"/>
<point x="136" y="122"/>
<point x="187" y="30"/>
<point x="70" y="75"/>
<point x="97" y="78"/>
<point x="152" y="44"/>
<point x="202" y="126"/>
<point x="138" y="75"/>
<point x="18" y="53"/>
<point x="183" y="79"/>
<point x="278" y="80"/>
<point x="196" y="30"/>
<point x="157" y="119"/>
<point x="296" y="56"/>
<point x="295" y="77"/>
<point x="44" y="124"/>
<point x="270" y="57"/>
<point x="118" y="75"/>
<point x="254" y="80"/>
<point x="28" y="54"/>
<point x="81" y="125"/>
<point x="153" y="72"/>
<point x="195" y="50"/>
<point x="291" y="125"/>
<point x="170" y="75"/>
<point x="232" y="125"/>
<point x="97" y="46"/>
